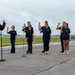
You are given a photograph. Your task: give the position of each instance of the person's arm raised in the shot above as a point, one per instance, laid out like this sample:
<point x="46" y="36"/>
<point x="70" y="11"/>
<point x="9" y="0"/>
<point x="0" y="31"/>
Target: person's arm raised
<point x="39" y="26"/>
<point x="24" y="26"/>
<point x="7" y="30"/>
<point x="3" y="25"/>
<point x="58" y="26"/>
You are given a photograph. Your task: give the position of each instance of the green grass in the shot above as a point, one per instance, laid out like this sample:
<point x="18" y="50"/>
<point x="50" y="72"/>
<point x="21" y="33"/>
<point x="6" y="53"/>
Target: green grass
<point x="19" y="40"/>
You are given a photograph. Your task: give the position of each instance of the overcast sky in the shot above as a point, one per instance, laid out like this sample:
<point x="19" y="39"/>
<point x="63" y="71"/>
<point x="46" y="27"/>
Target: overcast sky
<point x="18" y="12"/>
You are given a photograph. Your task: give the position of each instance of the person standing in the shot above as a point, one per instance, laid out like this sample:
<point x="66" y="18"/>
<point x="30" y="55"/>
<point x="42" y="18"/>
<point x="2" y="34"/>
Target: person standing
<point x="61" y="37"/>
<point x="29" y="35"/>
<point x="3" y="25"/>
<point x="46" y="36"/>
<point x="13" y="34"/>
<point x="66" y="38"/>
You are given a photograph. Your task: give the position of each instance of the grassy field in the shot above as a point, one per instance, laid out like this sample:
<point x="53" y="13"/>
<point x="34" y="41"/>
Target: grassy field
<point x="19" y="40"/>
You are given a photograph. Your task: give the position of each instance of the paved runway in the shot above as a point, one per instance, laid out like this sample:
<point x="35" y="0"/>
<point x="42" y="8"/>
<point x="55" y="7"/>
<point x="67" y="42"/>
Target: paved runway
<point x="54" y="63"/>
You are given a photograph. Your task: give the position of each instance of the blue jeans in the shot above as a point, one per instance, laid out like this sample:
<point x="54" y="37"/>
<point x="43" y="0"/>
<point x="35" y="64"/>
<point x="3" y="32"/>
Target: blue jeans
<point x="12" y="46"/>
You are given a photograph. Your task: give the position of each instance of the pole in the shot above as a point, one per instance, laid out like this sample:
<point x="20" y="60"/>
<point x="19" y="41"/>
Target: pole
<point x="1" y="49"/>
<point x="24" y="55"/>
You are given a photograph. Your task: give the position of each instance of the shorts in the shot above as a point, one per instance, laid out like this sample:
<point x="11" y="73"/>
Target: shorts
<point x="66" y="38"/>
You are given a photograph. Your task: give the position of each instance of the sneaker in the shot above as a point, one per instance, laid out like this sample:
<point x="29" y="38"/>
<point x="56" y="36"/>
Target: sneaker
<point x="64" y="52"/>
<point x="67" y="52"/>
<point x="43" y="51"/>
<point x="47" y="52"/>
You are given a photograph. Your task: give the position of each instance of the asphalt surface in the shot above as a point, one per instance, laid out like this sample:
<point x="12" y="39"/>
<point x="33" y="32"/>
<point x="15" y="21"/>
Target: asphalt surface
<point x="55" y="63"/>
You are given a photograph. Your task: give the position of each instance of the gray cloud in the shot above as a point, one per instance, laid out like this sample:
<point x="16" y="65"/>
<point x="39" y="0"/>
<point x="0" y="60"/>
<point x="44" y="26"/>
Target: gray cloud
<point x="18" y="12"/>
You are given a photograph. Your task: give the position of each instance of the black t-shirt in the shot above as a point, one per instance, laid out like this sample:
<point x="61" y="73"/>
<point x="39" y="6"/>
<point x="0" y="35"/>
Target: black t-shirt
<point x="46" y="32"/>
<point x="29" y="33"/>
<point x="12" y="34"/>
<point x="66" y="32"/>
